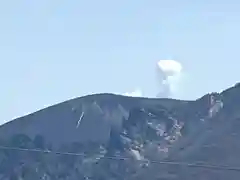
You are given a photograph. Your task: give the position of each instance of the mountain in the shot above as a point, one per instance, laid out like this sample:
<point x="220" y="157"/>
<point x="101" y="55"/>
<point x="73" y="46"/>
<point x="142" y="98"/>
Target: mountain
<point x="107" y="136"/>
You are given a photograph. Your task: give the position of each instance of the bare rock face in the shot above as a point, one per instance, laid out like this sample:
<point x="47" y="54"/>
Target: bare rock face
<point x="108" y="136"/>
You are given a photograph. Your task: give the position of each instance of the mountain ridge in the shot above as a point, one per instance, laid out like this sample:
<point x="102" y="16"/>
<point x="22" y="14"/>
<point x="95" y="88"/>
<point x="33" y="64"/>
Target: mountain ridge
<point x="106" y="124"/>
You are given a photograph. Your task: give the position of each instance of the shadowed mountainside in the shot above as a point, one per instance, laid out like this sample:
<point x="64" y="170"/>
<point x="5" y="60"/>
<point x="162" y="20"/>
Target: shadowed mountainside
<point x="140" y="129"/>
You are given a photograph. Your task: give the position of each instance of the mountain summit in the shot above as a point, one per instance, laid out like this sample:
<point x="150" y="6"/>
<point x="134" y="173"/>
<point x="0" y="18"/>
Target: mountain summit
<point x="107" y="136"/>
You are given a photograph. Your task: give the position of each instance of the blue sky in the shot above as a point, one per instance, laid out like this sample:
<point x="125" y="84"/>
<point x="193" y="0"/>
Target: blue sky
<point x="53" y="50"/>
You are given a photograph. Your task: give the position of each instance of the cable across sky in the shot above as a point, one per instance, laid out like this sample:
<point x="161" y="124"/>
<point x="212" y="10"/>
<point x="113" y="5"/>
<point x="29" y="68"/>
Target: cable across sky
<point x="118" y="158"/>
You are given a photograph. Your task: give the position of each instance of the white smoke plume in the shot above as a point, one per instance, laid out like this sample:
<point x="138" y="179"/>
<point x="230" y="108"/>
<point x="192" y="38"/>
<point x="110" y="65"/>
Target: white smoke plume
<point x="136" y="93"/>
<point x="169" y="74"/>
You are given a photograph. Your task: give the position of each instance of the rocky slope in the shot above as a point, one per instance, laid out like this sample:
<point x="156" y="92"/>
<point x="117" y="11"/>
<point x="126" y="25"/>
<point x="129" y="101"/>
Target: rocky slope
<point x="114" y="137"/>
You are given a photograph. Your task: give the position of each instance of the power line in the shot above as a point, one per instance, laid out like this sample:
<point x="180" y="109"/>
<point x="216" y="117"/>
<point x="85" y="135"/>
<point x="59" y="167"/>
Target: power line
<point x="187" y="164"/>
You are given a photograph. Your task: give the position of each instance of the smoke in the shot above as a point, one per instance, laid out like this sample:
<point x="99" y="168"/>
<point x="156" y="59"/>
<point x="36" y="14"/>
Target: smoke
<point x="136" y="93"/>
<point x="169" y="74"/>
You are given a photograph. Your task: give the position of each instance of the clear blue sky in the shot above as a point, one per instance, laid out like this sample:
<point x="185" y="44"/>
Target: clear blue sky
<point x="53" y="50"/>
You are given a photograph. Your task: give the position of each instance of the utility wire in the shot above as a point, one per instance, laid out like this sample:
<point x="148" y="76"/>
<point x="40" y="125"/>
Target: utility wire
<point x="187" y="164"/>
